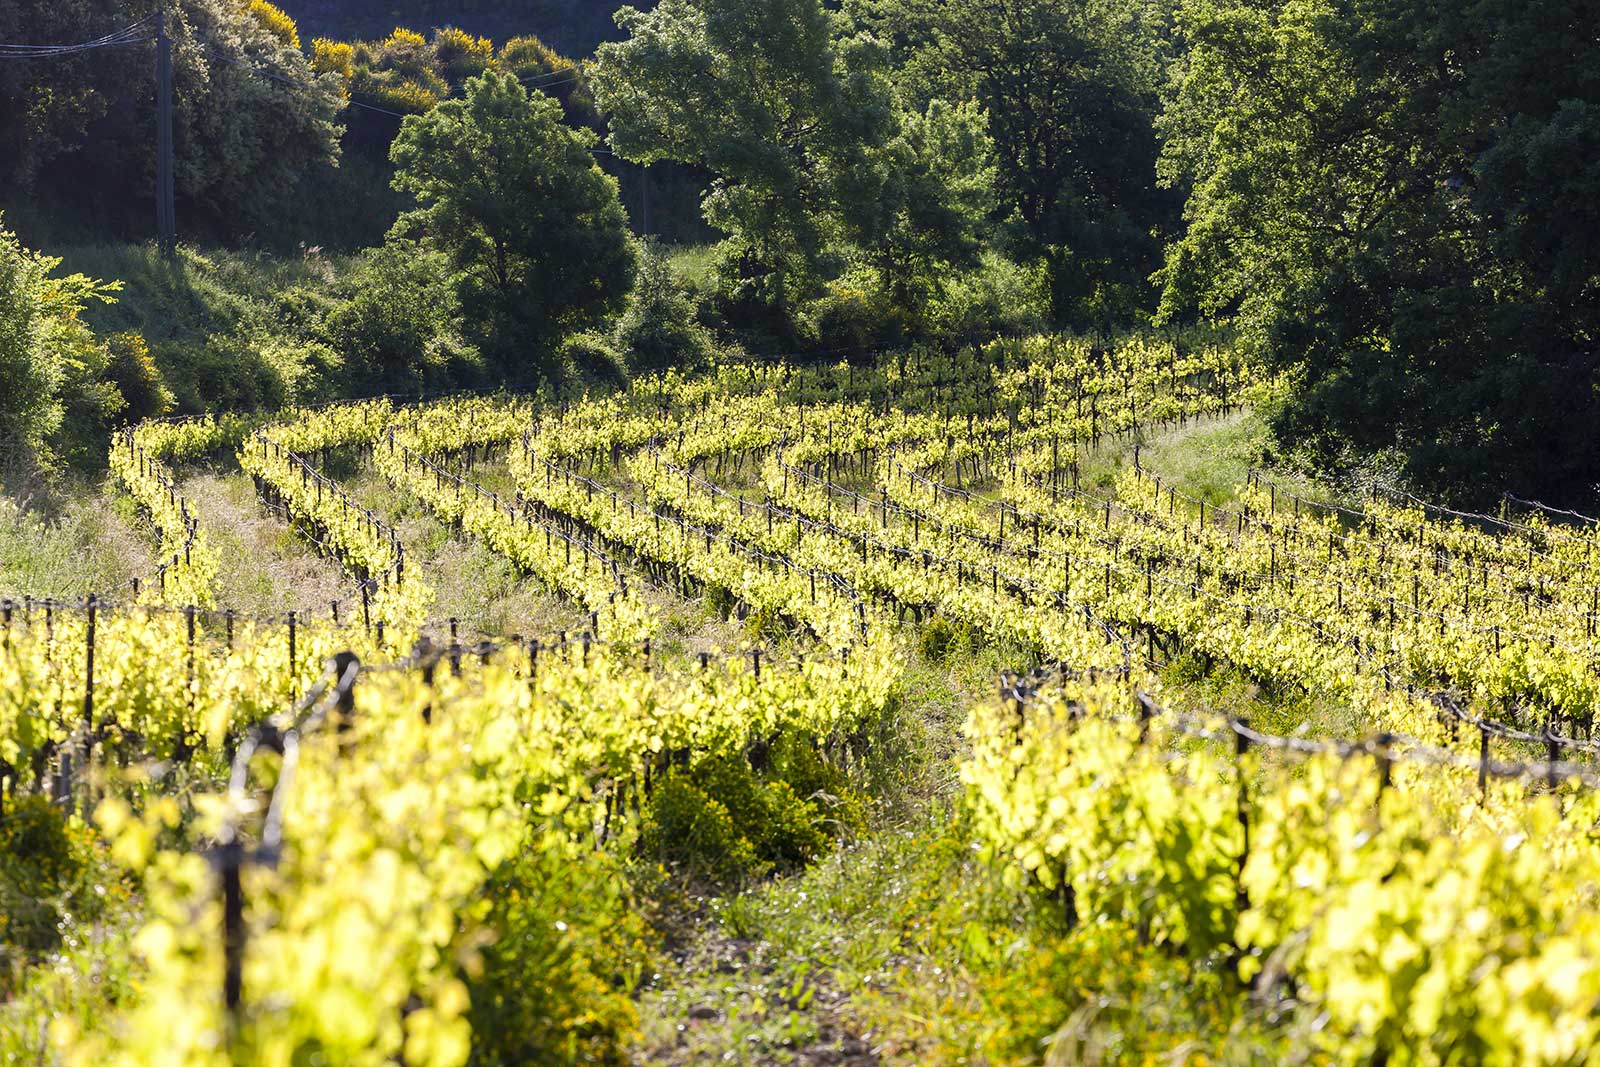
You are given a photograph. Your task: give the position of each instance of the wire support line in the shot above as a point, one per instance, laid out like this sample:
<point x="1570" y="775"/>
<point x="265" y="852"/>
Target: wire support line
<point x="1538" y="506"/>
<point x="1386" y="748"/>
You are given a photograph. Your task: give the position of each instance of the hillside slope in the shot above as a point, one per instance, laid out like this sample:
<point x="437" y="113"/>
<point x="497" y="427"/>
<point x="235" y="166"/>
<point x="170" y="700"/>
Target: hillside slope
<point x="573" y="27"/>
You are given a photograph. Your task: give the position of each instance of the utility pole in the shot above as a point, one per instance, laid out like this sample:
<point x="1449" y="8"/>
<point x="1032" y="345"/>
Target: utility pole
<point x="166" y="210"/>
<point x="644" y="197"/>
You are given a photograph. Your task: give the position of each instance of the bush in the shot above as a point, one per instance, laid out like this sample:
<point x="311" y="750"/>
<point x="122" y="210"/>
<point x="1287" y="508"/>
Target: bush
<point x="398" y="329"/>
<point x="569" y="946"/>
<point x="47" y="352"/>
<point x="941" y="639"/>
<point x="722" y="822"/>
<point x="461" y="55"/>
<point x="797" y="760"/>
<point x="40" y="864"/>
<point x="276" y="22"/>
<point x="719" y="601"/>
<point x="590" y="357"/>
<point x="658" y="331"/>
<point x="1000" y="296"/>
<point x="332" y="57"/>
<point x="852" y="319"/>
<point x="689" y="829"/>
<point x="783" y="830"/>
<point x="131" y="368"/>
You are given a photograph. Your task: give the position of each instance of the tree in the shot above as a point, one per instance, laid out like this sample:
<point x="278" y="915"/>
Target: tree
<point x="250" y="116"/>
<point x="1071" y="92"/>
<point x="531" y="225"/>
<point x="1395" y="203"/>
<point x="934" y="187"/>
<point x="61" y="389"/>
<point x="761" y="94"/>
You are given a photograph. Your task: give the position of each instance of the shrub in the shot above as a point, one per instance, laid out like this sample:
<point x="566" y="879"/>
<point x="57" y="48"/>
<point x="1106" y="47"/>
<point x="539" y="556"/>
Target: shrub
<point x="400" y="94"/>
<point x="657" y="330"/>
<point x="47" y="352"/>
<point x="853" y="316"/>
<point x="782" y="829"/>
<point x="797" y="760"/>
<point x="332" y="57"/>
<point x="277" y="22"/>
<point x="404" y="42"/>
<point x="941" y="639"/>
<point x="524" y="56"/>
<point x="765" y="625"/>
<point x="131" y="368"/>
<point x="723" y="822"/>
<point x="691" y="830"/>
<point x="461" y="55"/>
<point x="568" y="947"/>
<point x="39" y="865"/>
<point x="999" y="296"/>
<point x="303" y="371"/>
<point x="589" y="356"/>
<point x="719" y="601"/>
<point x="398" y="329"/>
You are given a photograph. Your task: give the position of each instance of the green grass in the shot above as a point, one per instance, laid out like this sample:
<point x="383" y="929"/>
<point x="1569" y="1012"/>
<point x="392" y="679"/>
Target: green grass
<point x="89" y="540"/>
<point x="476" y="586"/>
<point x="263" y="566"/>
<point x="225" y="327"/>
<point x="692" y="264"/>
<point x="908" y="948"/>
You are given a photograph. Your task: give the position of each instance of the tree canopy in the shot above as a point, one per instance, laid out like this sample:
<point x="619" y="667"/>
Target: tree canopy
<point x="1396" y="203"/>
<point x="760" y="94"/>
<point x="529" y="221"/>
<point x="1070" y="92"/>
<point x="250" y="116"/>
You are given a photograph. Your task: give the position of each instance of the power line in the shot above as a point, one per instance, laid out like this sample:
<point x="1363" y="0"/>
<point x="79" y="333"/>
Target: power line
<point x="127" y="35"/>
<point x="557" y="77"/>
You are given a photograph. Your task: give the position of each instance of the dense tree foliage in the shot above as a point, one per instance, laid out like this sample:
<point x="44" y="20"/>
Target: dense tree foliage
<point x="813" y="156"/>
<point x="250" y="116"/>
<point x="1070" y="91"/>
<point x="1398" y="203"/>
<point x="528" y="220"/>
<point x="61" y="387"/>
<point x="759" y="94"/>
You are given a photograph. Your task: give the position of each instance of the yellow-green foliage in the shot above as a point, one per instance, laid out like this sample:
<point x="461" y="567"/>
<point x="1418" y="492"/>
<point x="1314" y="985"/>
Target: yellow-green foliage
<point x="401" y="96"/>
<point x="40" y="862"/>
<point x="569" y="945"/>
<point x="403" y="38"/>
<point x="724" y="823"/>
<point x="408" y="72"/>
<point x="332" y="57"/>
<point x="529" y="55"/>
<point x="400" y="72"/>
<point x="461" y="55"/>
<point x="692" y="830"/>
<point x="132" y="369"/>
<point x="276" y="21"/>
